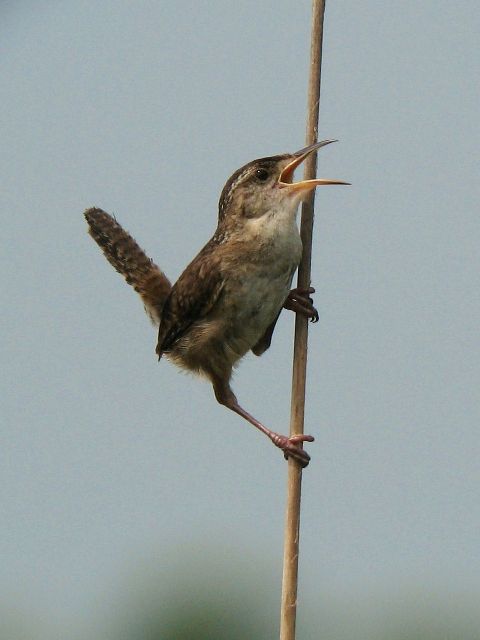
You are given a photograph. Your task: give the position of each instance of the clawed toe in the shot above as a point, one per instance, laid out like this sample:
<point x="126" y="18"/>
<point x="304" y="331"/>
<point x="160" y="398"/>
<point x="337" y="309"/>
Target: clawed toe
<point x="291" y="449"/>
<point x="299" y="300"/>
<point x="301" y="437"/>
<point x="303" y="291"/>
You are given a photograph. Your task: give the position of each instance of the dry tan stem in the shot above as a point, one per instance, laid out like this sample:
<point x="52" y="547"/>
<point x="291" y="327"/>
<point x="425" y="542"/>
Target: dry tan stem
<point x="294" y="484"/>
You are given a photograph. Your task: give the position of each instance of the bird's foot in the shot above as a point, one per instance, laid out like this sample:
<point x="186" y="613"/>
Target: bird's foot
<point x="290" y="448"/>
<point x="299" y="300"/>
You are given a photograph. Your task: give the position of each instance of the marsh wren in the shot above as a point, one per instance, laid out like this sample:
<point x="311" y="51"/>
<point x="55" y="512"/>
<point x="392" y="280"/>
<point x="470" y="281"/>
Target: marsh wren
<point x="227" y="301"/>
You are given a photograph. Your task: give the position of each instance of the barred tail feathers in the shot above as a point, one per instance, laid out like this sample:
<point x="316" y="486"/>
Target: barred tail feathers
<point x="125" y="255"/>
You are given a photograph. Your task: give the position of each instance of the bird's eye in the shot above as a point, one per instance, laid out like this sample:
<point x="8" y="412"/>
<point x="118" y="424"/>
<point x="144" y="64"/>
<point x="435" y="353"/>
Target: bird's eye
<point x="261" y="174"/>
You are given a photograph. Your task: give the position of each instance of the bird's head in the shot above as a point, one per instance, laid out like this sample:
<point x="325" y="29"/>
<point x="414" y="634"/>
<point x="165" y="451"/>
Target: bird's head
<point x="265" y="186"/>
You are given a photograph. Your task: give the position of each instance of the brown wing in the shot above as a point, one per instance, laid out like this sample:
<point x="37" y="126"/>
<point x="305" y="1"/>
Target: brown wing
<point x="192" y="297"/>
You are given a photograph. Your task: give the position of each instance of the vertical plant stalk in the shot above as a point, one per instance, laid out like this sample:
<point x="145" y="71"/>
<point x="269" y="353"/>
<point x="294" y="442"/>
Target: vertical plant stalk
<point x="288" y="612"/>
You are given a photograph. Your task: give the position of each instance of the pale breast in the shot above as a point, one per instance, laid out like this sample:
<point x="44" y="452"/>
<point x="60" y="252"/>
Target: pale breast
<point x="257" y="280"/>
<point x="257" y="291"/>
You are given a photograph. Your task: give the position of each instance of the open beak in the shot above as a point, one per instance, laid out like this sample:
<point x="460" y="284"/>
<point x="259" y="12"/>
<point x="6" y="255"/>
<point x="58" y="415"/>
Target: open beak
<point x="285" y="179"/>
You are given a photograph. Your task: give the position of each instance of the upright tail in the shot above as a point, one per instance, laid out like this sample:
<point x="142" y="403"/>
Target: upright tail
<point x="124" y="254"/>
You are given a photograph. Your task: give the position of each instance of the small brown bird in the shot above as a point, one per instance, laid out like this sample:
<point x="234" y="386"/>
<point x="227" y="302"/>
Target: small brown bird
<point x="228" y="299"/>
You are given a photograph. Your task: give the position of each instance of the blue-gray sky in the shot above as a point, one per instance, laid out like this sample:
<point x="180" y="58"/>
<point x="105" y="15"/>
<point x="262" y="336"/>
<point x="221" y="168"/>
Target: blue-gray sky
<point x="110" y="461"/>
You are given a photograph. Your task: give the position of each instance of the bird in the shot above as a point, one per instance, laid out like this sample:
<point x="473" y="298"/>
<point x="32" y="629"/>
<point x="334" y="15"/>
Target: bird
<point x="228" y="299"/>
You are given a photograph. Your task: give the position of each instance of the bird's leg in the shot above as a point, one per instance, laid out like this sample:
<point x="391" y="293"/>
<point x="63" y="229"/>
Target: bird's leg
<point x="266" y="340"/>
<point x="291" y="446"/>
<point x="299" y="300"/>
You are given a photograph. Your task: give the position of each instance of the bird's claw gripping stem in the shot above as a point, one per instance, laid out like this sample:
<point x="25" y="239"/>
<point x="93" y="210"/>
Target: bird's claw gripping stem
<point x="290" y="448"/>
<point x="299" y="300"/>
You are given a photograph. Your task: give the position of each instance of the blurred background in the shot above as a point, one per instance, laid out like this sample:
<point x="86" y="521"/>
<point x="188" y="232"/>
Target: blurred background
<point x="133" y="506"/>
